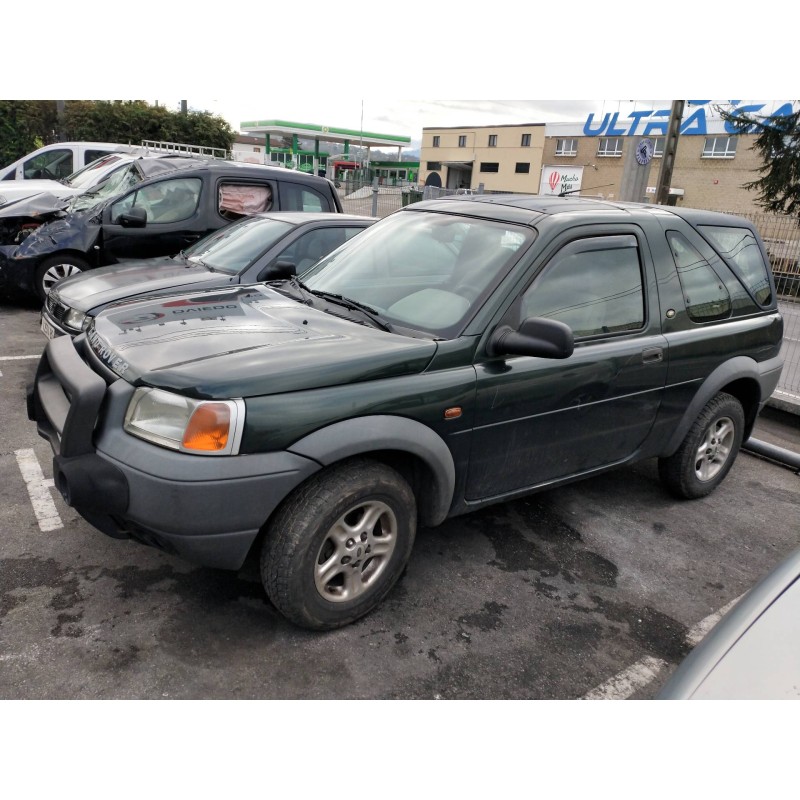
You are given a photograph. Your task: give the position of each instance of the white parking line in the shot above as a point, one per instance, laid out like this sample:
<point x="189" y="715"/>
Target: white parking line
<point x="15" y="358"/>
<point x="38" y="491"/>
<point x="647" y="669"/>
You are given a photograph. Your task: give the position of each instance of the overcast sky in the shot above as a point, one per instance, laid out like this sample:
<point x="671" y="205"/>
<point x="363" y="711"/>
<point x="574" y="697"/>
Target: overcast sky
<point x="328" y="66"/>
<point x="403" y="117"/>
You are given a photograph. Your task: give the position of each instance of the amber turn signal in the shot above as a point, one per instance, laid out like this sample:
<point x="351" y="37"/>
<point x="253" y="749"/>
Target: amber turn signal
<point x="208" y="428"/>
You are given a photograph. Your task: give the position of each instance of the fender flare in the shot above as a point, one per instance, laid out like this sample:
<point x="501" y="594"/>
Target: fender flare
<point x="736" y="369"/>
<point x="362" y="435"/>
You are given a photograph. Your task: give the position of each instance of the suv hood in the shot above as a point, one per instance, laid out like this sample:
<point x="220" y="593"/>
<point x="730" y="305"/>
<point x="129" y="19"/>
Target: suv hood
<point x="96" y="288"/>
<point x="246" y="341"/>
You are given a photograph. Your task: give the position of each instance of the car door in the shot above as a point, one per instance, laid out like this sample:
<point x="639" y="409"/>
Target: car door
<point x="174" y="220"/>
<point x="540" y="420"/>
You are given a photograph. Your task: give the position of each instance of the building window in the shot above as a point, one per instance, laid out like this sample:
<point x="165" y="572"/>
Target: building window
<point x="490" y="166"/>
<point x="610" y="146"/>
<point x="434" y="165"/>
<point x="526" y="140"/>
<point x="462" y="141"/>
<point x="658" y="146"/>
<point x="522" y="167"/>
<point x="435" y="141"/>
<point x="492" y="140"/>
<point x="566" y="147"/>
<point x="719" y="147"/>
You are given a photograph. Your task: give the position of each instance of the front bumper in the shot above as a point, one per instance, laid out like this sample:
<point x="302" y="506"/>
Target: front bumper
<point x="206" y="510"/>
<point x="15" y="273"/>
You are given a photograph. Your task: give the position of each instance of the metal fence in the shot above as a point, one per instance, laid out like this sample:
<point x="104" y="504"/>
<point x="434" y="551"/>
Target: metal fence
<point x="781" y="235"/>
<point x="376" y="199"/>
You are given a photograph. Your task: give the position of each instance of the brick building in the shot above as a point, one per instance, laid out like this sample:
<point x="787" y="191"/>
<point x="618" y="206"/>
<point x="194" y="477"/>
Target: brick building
<point x="711" y="164"/>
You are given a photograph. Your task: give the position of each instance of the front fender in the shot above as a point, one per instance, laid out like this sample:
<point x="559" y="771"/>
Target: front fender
<point x="362" y="435"/>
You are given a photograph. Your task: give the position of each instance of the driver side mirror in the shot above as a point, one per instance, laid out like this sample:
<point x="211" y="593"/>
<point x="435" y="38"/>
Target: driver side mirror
<point x="135" y="217"/>
<point x="537" y="336"/>
<point x="281" y="270"/>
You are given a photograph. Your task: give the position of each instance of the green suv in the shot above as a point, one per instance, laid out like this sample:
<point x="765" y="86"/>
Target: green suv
<point x="458" y="353"/>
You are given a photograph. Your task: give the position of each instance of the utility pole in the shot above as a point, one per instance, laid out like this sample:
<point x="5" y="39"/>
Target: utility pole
<point x="670" y="146"/>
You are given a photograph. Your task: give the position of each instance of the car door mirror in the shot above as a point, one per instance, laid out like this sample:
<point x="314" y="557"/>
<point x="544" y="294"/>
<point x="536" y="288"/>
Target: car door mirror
<point x="134" y="217"/>
<point x="536" y="336"/>
<point x="277" y="271"/>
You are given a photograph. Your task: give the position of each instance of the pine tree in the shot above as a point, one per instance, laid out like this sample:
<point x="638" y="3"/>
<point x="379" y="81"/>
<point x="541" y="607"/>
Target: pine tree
<point x="777" y="140"/>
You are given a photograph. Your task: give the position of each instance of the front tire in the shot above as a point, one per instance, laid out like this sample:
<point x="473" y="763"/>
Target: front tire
<point x="54" y="269"/>
<point x="338" y="544"/>
<point x="707" y="452"/>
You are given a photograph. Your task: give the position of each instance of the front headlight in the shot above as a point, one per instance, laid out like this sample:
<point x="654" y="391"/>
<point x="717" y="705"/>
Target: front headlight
<point x="75" y="320"/>
<point x="202" y="427"/>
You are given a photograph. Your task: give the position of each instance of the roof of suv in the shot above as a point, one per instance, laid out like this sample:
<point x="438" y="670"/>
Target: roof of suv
<point x="526" y="209"/>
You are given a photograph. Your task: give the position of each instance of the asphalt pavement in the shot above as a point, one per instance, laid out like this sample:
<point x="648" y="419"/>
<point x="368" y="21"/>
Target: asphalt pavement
<point x="597" y="589"/>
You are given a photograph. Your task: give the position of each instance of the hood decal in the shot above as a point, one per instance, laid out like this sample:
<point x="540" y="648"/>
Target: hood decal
<point x="105" y="353"/>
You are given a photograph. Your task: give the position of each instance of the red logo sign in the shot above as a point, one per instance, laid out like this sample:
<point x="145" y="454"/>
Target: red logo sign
<point x="553" y="181"/>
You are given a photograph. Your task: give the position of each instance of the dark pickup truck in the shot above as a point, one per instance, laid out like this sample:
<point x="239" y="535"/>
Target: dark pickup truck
<point x="460" y="352"/>
<point x="169" y="202"/>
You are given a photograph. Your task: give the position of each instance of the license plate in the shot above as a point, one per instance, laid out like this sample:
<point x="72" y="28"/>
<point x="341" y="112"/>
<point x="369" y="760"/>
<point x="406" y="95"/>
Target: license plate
<point x="48" y="330"/>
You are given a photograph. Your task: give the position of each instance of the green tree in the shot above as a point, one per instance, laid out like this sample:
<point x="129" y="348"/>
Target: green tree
<point x="777" y="141"/>
<point x="28" y="124"/>
<point x="25" y="125"/>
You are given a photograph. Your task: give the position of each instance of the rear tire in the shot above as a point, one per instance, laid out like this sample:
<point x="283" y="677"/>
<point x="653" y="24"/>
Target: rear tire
<point x="54" y="269"/>
<point x="338" y="544"/>
<point x="707" y="452"/>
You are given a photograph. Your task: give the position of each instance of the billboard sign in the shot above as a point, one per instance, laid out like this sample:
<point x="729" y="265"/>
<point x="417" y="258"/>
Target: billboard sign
<point x="558" y="179"/>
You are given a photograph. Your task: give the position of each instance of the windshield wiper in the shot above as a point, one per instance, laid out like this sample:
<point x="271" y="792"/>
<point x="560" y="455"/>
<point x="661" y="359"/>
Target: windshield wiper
<point x="353" y="305"/>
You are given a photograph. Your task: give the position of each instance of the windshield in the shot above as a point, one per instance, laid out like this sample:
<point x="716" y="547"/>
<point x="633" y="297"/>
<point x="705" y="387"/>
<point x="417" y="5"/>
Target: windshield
<point x="118" y="182"/>
<point x="422" y="270"/>
<point x="89" y="175"/>
<point x="237" y="246"/>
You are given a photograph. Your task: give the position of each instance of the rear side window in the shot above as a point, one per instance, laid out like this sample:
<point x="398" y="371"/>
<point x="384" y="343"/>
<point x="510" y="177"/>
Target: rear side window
<point x="704" y="293"/>
<point x="91" y="155"/>
<point x="296" y="197"/>
<point x="739" y="248"/>
<point x="239" y="200"/>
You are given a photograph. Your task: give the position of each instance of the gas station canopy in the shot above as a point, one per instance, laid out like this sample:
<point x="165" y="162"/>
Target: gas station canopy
<point x="324" y="133"/>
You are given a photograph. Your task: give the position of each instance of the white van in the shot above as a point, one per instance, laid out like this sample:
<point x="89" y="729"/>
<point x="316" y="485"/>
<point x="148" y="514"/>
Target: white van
<point x="83" y="180"/>
<point x="56" y="161"/>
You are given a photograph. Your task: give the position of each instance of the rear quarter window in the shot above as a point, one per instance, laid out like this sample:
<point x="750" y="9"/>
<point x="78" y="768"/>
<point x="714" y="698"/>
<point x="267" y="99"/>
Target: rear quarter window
<point x="740" y="249"/>
<point x="296" y="197"/>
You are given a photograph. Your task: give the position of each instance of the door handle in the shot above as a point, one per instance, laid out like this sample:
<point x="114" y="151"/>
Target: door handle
<point x="652" y="355"/>
<point x="192" y="237"/>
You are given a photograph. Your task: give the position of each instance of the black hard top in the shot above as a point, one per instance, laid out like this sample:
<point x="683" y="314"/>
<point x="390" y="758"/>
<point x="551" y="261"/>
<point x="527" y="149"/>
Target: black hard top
<point x="528" y="209"/>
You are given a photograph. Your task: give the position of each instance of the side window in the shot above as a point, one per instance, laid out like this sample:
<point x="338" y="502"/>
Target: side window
<point x="704" y="293"/>
<point x="295" y="197"/>
<point x="593" y="285"/>
<point x="739" y="247"/>
<point x="92" y="155"/>
<point x="311" y="247"/>
<point x="165" y="201"/>
<point x="53" y="164"/>
<point x="236" y="200"/>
